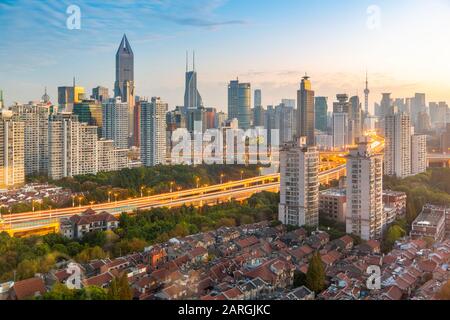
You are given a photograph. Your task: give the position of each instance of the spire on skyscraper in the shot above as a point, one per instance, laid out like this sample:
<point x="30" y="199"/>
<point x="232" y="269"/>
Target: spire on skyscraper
<point x="366" y="95"/>
<point x="46" y="97"/>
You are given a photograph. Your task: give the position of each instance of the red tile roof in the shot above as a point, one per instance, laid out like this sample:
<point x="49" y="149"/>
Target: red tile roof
<point x="29" y="288"/>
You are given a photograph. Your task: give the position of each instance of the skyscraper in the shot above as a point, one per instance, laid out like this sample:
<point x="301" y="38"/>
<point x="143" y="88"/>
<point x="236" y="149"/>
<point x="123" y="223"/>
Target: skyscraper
<point x="418" y="104"/>
<point x="124" y="85"/>
<point x="366" y="96"/>
<point x="192" y="98"/>
<point x="153" y="132"/>
<point x="306" y="113"/>
<point x="418" y="154"/>
<point x="258" y="98"/>
<point x="364" y="216"/>
<point x="321" y="106"/>
<point x="385" y="105"/>
<point x="355" y="120"/>
<point x="90" y="112"/>
<point x="12" y="165"/>
<point x="299" y="185"/>
<point x="258" y="116"/>
<point x="68" y="96"/>
<point x="35" y="118"/>
<point x="340" y="130"/>
<point x="239" y="103"/>
<point x="397" y="153"/>
<point x="285" y="118"/>
<point x="116" y="121"/>
<point x="100" y="94"/>
<point x="1" y="100"/>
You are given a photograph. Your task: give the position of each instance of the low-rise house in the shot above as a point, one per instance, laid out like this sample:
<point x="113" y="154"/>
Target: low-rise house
<point x="77" y="226"/>
<point x="301" y="293"/>
<point x="28" y="289"/>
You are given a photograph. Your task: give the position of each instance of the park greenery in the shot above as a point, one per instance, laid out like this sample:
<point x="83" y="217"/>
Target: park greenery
<point x="22" y="258"/>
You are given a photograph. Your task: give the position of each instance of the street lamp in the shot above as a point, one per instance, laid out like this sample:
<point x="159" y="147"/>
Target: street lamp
<point x="109" y="196"/>
<point x="171" y="186"/>
<point x="142" y="190"/>
<point x="32" y="205"/>
<point x="115" y="197"/>
<point x="73" y="201"/>
<point x="80" y="198"/>
<point x="221" y="178"/>
<point x="198" y="181"/>
<point x="242" y="174"/>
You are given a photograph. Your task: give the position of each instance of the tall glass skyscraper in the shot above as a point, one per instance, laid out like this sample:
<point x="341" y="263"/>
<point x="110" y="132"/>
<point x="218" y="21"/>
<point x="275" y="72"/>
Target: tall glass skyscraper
<point x="192" y="98"/>
<point x="124" y="86"/>
<point x="321" y="113"/>
<point x="239" y="103"/>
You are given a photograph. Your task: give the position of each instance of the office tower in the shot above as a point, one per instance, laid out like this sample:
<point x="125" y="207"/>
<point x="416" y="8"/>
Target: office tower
<point x="68" y="96"/>
<point x="291" y="103"/>
<point x="385" y="105"/>
<point x="258" y="98"/>
<point x="124" y="85"/>
<point x="445" y="140"/>
<point x="418" y="154"/>
<point x="153" y="132"/>
<point x="423" y="122"/>
<point x="299" y="185"/>
<point x="192" y="98"/>
<point x="355" y="120"/>
<point x="321" y="105"/>
<point x="196" y="115"/>
<point x="115" y="122"/>
<point x="221" y="117"/>
<point x="176" y="119"/>
<point x="100" y="94"/>
<point x="270" y="123"/>
<point x="397" y="153"/>
<point x="305" y="109"/>
<point x="366" y="96"/>
<point x="340" y="130"/>
<point x="258" y="116"/>
<point x="12" y="165"/>
<point x="285" y="118"/>
<point x="342" y="105"/>
<point x="418" y="104"/>
<point x="438" y="113"/>
<point x="239" y="103"/>
<point x="364" y="216"/>
<point x="35" y="118"/>
<point x="210" y="118"/>
<point x="90" y="112"/>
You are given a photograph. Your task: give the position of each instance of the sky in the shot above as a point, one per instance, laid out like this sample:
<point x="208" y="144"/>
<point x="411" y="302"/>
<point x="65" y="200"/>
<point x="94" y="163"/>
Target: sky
<point x="403" y="45"/>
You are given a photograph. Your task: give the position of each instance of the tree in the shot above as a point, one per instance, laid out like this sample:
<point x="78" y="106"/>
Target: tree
<point x="93" y="293"/>
<point x="315" y="277"/>
<point x="60" y="292"/>
<point x="120" y="289"/>
<point x="444" y="293"/>
<point x="394" y="233"/>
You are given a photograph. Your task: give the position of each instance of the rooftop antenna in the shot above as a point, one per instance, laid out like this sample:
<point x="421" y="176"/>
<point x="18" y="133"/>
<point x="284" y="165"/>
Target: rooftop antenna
<point x="74" y="82"/>
<point x="187" y="59"/>
<point x="193" y="61"/>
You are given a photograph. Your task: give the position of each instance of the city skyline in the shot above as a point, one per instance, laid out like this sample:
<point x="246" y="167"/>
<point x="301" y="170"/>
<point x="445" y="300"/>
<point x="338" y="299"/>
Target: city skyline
<point x="160" y="45"/>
